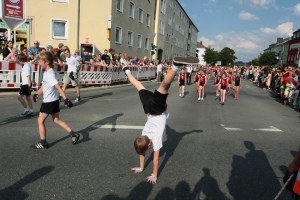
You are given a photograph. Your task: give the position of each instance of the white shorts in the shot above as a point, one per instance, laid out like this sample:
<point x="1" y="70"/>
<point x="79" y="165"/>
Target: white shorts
<point x="154" y="129"/>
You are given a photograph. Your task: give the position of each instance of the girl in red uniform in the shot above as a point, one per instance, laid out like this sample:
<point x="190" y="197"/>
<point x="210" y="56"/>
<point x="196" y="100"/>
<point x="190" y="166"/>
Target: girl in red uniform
<point x="181" y="82"/>
<point x="202" y="83"/>
<point x="229" y="82"/>
<point x="223" y="82"/>
<point x="217" y="80"/>
<point x="196" y="81"/>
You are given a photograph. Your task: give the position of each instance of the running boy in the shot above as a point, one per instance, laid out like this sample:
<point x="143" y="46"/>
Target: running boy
<point x="26" y="86"/>
<point x="155" y="107"/>
<point x="50" y="105"/>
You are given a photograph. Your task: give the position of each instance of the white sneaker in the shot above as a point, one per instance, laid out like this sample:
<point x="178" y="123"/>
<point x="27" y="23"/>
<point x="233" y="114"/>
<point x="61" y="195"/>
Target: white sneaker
<point x="180" y="95"/>
<point x="199" y="99"/>
<point x="202" y="98"/>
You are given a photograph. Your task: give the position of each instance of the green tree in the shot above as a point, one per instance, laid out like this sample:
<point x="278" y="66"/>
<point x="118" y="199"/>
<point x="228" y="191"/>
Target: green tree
<point x="211" y="56"/>
<point x="268" y="58"/>
<point x="227" y="57"/>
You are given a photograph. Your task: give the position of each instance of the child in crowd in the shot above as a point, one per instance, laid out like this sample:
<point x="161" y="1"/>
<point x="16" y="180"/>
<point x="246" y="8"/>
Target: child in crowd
<point x="26" y="86"/>
<point x="50" y="105"/>
<point x="155" y="107"/>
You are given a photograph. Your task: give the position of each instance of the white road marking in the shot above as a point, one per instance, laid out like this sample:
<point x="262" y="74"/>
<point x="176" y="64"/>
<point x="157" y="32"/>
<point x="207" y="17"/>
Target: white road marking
<point x="271" y="129"/>
<point x="110" y="126"/>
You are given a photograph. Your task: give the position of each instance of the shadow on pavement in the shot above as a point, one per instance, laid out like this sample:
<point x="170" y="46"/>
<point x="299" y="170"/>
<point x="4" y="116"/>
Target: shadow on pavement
<point x="86" y="99"/>
<point x="18" y="118"/>
<point x="252" y="176"/>
<point x="207" y="185"/>
<point x="85" y="133"/>
<point x="108" y="120"/>
<point x="169" y="146"/>
<point x="15" y="191"/>
<point x="139" y="192"/>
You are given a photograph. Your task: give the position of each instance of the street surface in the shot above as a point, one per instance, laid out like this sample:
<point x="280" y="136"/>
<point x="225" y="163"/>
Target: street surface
<point x="238" y="151"/>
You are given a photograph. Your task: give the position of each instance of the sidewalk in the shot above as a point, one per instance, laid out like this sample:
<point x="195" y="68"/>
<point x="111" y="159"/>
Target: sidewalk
<point x="5" y="93"/>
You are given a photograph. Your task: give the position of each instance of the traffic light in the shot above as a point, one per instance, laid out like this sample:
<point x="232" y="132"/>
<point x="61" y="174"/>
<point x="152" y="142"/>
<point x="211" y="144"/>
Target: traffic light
<point x="196" y="55"/>
<point x="154" y="48"/>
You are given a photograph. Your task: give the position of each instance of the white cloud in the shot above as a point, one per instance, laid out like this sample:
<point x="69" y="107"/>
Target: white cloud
<point x="297" y="10"/>
<point x="247" y="16"/>
<point x="206" y="42"/>
<point x="219" y="37"/>
<point x="267" y="30"/>
<point x="282" y="30"/>
<point x="285" y="29"/>
<point x="257" y="4"/>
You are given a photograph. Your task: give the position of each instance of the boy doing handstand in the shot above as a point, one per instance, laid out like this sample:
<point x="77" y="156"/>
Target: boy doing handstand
<point x="155" y="107"/>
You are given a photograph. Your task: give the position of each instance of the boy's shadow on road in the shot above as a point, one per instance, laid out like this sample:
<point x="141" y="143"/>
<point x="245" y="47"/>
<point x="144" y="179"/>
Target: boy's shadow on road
<point x="169" y="146"/>
<point x="88" y="98"/>
<point x="85" y="133"/>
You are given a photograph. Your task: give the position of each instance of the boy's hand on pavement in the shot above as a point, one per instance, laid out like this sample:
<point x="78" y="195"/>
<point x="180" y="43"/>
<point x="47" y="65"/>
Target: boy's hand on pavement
<point x="152" y="179"/>
<point x="136" y="170"/>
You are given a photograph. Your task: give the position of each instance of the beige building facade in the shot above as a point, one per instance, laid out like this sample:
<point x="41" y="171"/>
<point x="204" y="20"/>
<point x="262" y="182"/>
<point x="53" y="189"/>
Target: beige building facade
<point x="128" y="26"/>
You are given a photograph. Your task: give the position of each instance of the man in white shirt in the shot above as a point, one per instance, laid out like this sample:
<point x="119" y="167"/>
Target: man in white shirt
<point x="189" y="74"/>
<point x="159" y="71"/>
<point x="72" y="74"/>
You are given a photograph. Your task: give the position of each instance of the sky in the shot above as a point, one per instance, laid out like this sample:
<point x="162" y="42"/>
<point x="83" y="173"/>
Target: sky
<point x="246" y="26"/>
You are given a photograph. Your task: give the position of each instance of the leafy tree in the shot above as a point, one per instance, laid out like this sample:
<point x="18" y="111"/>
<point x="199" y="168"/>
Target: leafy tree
<point x="227" y="57"/>
<point x="268" y="58"/>
<point x="211" y="56"/>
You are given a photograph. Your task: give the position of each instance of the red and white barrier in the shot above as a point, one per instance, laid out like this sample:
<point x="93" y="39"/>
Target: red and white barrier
<point x="10" y="74"/>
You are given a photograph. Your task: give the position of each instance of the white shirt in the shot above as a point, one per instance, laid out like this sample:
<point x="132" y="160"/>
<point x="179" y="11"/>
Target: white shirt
<point x="50" y="93"/>
<point x="154" y="129"/>
<point x="26" y="71"/>
<point x="188" y="69"/>
<point x="159" y="68"/>
<point x="72" y="64"/>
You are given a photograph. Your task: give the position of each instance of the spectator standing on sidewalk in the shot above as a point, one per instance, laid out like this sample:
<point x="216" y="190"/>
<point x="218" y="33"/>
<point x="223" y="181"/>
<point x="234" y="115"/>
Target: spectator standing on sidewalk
<point x="159" y="71"/>
<point x="36" y="49"/>
<point x="8" y="48"/>
<point x="189" y="74"/>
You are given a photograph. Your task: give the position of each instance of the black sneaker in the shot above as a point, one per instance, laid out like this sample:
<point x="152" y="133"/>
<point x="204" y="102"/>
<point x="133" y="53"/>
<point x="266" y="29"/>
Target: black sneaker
<point x="59" y="98"/>
<point x="124" y="69"/>
<point x="222" y="103"/>
<point x="75" y="138"/>
<point x="39" y="146"/>
<point x="77" y="99"/>
<point x="25" y="113"/>
<point x="185" y="60"/>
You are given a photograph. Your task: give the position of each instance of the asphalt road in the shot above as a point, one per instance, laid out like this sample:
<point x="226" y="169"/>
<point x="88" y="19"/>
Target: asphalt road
<point x="237" y="151"/>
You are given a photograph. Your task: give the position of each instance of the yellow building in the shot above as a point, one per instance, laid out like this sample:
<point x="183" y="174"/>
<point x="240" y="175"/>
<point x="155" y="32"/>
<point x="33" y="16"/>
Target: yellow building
<point x="128" y="26"/>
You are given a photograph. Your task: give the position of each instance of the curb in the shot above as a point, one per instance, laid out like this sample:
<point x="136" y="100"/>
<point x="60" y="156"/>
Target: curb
<point x="72" y="90"/>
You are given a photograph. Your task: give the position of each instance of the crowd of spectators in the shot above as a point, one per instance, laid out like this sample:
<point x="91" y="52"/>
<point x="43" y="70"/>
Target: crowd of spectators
<point x="283" y="80"/>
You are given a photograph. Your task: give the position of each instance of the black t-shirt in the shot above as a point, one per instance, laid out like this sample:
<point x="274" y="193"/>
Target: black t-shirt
<point x="106" y="58"/>
<point x="6" y="51"/>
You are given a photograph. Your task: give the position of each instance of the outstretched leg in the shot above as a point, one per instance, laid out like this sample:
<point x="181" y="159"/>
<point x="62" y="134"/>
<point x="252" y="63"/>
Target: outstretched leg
<point x="137" y="84"/>
<point x="165" y="85"/>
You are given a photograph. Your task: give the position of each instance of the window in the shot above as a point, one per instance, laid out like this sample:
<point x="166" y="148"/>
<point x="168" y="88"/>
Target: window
<point x="118" y="39"/>
<point x="146" y="43"/>
<point x="149" y="1"/>
<point x="130" y="38"/>
<point x="120" y="5"/>
<point x="163" y="6"/>
<point x="148" y="20"/>
<point x="162" y="27"/>
<point x="139" y="41"/>
<point x="59" y="29"/>
<point x="168" y="38"/>
<point x="171" y="3"/>
<point x="141" y="15"/>
<point x="170" y="20"/>
<point x="131" y="10"/>
<point x="60" y="1"/>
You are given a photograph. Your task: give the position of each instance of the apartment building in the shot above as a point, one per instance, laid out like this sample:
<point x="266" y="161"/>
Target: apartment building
<point x="176" y="34"/>
<point x="129" y="26"/>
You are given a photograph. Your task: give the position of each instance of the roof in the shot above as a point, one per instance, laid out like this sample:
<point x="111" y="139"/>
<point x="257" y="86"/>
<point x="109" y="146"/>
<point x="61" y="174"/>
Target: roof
<point x="187" y="15"/>
<point x="200" y="45"/>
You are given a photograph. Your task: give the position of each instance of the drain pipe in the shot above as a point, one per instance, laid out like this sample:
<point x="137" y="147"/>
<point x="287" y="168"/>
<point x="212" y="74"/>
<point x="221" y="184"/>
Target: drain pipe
<point x="78" y="25"/>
